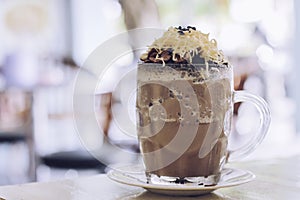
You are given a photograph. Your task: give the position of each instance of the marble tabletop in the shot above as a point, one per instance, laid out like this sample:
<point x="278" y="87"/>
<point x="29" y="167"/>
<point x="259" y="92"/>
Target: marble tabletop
<point x="275" y="179"/>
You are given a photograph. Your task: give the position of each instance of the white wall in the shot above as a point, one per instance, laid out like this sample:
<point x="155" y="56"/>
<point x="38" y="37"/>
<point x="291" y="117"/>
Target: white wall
<point x="295" y="77"/>
<point x="94" y="21"/>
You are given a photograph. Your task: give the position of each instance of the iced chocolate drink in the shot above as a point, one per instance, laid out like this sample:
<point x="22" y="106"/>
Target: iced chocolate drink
<point x="183" y="105"/>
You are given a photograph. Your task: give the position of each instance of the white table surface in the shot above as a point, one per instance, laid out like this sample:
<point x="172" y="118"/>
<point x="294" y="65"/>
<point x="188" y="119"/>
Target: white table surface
<point x="276" y="179"/>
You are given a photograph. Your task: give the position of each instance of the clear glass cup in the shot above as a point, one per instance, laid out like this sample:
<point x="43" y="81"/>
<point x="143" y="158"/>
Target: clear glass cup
<point x="184" y="118"/>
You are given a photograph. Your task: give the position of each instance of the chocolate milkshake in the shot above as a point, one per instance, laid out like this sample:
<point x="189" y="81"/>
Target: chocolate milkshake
<point x="183" y="100"/>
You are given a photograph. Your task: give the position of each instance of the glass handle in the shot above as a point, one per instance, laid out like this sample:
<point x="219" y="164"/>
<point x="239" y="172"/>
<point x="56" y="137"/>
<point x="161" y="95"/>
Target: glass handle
<point x="265" y="119"/>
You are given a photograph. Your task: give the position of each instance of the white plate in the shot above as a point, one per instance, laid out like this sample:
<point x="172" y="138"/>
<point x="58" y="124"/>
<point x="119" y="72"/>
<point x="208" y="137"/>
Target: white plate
<point x="134" y="175"/>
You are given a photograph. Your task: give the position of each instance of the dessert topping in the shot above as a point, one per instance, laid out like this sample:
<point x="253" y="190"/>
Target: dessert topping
<point x="184" y="45"/>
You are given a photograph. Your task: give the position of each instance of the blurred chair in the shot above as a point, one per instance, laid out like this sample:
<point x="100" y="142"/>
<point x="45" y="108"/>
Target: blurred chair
<point x="77" y="159"/>
<point x="16" y="132"/>
<point x="58" y="145"/>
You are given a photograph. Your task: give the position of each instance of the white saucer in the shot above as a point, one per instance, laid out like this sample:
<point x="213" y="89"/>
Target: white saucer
<point x="134" y="175"/>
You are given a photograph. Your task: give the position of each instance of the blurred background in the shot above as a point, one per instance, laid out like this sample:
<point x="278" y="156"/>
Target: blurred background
<point x="43" y="43"/>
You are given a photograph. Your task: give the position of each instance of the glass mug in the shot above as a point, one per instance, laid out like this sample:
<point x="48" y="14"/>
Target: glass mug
<point x="184" y="118"/>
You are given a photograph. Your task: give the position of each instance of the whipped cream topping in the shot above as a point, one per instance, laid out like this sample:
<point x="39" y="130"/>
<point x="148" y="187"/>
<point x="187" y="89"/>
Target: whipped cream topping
<point x="183" y="45"/>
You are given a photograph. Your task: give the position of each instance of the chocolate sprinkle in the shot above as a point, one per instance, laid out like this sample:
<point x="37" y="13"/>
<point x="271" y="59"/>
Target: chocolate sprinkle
<point x="181" y="32"/>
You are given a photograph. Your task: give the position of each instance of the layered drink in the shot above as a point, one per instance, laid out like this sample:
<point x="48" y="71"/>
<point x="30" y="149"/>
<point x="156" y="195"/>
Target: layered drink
<point x="183" y="106"/>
